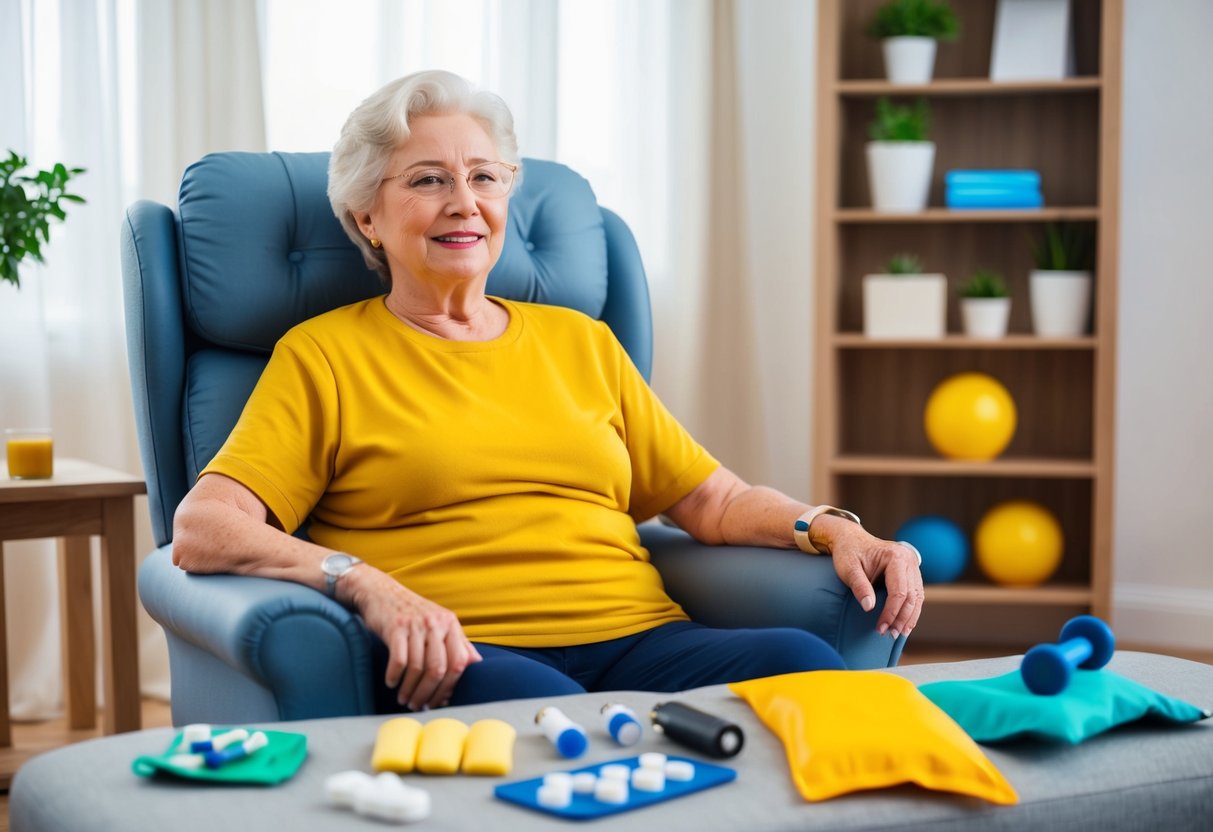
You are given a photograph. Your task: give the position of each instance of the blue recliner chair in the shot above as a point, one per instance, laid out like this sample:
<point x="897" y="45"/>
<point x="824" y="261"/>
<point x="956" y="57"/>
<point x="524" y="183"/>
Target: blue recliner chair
<point x="254" y="249"/>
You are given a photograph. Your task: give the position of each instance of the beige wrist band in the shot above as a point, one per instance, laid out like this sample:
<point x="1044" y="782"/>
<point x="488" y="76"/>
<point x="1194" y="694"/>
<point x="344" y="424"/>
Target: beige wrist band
<point x="800" y="530"/>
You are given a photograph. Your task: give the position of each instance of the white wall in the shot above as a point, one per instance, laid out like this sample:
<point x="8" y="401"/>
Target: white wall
<point x="1164" y="416"/>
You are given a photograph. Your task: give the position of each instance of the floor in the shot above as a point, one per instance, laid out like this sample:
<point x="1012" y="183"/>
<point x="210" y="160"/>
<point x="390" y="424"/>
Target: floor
<point x="43" y="736"/>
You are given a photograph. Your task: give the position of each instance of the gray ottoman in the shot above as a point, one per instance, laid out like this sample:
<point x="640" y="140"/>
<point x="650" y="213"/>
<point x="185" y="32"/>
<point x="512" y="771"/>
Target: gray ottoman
<point x="1137" y="777"/>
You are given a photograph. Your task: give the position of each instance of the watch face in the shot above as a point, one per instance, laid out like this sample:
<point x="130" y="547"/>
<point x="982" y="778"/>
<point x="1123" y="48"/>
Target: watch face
<point x="337" y="564"/>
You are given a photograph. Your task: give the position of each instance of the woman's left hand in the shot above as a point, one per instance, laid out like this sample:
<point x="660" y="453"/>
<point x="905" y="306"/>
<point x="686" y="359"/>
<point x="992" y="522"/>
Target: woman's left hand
<point x="860" y="558"/>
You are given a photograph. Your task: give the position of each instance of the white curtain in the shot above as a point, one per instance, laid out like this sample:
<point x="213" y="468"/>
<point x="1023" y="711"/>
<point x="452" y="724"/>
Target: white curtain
<point x="68" y="92"/>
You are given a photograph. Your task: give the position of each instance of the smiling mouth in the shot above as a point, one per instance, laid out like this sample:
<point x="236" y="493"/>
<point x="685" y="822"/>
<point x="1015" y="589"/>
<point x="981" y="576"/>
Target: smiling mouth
<point x="461" y="238"/>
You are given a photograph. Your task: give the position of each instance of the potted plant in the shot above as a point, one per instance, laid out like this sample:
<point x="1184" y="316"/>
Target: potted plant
<point x="903" y="302"/>
<point x="900" y="157"/>
<point x="1060" y="285"/>
<point x="985" y="305"/>
<point x="909" y="31"/>
<point x="28" y="201"/>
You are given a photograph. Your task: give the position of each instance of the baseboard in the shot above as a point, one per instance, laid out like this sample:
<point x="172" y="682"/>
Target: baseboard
<point x="1163" y="616"/>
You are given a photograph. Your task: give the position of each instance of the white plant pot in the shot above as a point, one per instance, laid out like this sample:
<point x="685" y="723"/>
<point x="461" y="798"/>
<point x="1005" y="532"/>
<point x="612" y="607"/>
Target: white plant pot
<point x="908" y="59"/>
<point x="1061" y="303"/>
<point x="985" y="317"/>
<point x="905" y="305"/>
<point x="900" y="175"/>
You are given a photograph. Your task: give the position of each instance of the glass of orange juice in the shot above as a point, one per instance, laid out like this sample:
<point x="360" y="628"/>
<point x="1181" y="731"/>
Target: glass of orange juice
<point x="31" y="453"/>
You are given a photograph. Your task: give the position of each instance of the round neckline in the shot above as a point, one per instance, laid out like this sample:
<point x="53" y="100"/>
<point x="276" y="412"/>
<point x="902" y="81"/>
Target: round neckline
<point x="513" y="330"/>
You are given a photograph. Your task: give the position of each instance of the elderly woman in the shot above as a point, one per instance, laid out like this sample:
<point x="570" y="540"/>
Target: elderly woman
<point x="472" y="468"/>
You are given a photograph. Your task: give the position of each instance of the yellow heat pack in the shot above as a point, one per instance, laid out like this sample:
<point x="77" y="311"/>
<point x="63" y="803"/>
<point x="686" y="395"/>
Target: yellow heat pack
<point x="489" y="749"/>
<point x="396" y="745"/>
<point x="441" y="748"/>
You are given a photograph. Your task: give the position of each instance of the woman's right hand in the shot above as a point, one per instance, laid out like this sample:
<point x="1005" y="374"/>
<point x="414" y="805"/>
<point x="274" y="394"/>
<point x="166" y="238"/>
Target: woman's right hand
<point x="427" y="648"/>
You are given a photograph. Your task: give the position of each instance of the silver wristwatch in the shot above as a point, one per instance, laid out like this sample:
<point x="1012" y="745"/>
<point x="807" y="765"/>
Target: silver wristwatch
<point x="334" y="566"/>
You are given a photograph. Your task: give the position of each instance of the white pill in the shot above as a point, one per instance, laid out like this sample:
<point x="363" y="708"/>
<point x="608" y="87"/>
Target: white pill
<point x="228" y="737"/>
<point x="680" y="770"/>
<point x="611" y="790"/>
<point x="398" y="803"/>
<point x="197" y="732"/>
<point x="256" y="742"/>
<point x="188" y="761"/>
<point x="653" y="759"/>
<point x="648" y="779"/>
<point x="554" y="796"/>
<point x="584" y="782"/>
<point x="389" y="780"/>
<point x="341" y="788"/>
<point x="615" y="771"/>
<point x="559" y="778"/>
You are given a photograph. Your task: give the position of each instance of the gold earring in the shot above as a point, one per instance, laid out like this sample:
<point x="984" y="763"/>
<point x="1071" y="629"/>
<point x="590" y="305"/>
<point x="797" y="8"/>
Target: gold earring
<point x="375" y="243"/>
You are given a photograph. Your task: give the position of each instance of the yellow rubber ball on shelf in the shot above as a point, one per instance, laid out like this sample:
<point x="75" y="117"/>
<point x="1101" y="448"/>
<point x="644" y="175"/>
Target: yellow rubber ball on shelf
<point x="1019" y="543"/>
<point x="970" y="416"/>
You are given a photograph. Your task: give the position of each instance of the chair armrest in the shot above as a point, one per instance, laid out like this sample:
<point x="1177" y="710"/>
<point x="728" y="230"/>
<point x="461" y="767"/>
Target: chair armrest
<point x="747" y="586"/>
<point x="311" y="654"/>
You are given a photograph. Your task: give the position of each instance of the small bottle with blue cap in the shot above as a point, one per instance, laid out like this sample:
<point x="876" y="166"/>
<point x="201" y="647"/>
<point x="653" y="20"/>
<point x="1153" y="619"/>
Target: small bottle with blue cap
<point x="621" y="723"/>
<point x="569" y="738"/>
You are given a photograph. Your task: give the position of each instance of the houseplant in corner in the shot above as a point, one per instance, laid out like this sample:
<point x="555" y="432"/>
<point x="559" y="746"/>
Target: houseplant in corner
<point x="900" y="157"/>
<point x="1060" y="285"/>
<point x="909" y="31"/>
<point x="903" y="302"/>
<point x="28" y="201"/>
<point x="985" y="305"/>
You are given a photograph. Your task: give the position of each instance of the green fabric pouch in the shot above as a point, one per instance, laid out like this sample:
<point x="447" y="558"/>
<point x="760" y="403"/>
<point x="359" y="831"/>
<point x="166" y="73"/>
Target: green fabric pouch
<point x="1002" y="708"/>
<point x="277" y="761"/>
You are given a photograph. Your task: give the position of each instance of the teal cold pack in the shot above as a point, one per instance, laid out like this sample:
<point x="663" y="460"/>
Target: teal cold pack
<point x="277" y="761"/>
<point x="1002" y="708"/>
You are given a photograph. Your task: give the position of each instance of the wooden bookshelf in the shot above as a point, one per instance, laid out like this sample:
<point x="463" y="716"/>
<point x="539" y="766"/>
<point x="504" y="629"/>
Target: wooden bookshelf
<point x="871" y="453"/>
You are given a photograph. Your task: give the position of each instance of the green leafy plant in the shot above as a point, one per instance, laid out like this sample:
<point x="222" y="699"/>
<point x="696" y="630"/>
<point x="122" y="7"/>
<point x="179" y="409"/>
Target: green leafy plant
<point x="984" y="283"/>
<point x="28" y="201"/>
<point x="904" y="263"/>
<point x="900" y="123"/>
<point x="917" y="18"/>
<point x="1065" y="247"/>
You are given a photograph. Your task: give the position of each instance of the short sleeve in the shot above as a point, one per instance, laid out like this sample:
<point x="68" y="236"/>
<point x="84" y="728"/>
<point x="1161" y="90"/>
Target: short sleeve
<point x="283" y="446"/>
<point x="667" y="462"/>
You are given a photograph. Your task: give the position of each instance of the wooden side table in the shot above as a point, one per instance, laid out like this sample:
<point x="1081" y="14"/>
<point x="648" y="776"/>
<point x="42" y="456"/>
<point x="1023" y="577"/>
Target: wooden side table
<point x="82" y="499"/>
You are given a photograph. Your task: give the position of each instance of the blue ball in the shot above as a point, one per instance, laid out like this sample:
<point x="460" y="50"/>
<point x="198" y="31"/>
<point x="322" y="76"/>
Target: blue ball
<point x="943" y="545"/>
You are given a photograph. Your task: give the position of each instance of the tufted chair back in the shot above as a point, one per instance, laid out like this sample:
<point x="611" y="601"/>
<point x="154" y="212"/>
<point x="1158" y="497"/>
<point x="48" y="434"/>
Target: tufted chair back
<point x="254" y="249"/>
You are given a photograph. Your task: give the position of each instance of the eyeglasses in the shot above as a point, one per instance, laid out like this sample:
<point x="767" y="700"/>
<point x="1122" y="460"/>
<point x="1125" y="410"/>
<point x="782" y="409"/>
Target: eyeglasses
<point x="492" y="180"/>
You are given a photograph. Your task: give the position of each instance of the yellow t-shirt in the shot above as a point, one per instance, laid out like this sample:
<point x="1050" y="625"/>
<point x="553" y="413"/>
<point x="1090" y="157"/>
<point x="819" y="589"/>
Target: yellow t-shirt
<point x="501" y="479"/>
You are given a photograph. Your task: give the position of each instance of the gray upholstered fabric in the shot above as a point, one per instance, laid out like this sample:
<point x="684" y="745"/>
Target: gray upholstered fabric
<point x="1141" y="777"/>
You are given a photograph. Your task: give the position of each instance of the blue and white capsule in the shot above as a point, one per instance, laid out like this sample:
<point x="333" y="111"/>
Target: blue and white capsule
<point x="237" y="751"/>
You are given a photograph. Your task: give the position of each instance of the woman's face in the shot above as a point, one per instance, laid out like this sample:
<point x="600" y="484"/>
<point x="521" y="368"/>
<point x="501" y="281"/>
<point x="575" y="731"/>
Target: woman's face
<point x="456" y="237"/>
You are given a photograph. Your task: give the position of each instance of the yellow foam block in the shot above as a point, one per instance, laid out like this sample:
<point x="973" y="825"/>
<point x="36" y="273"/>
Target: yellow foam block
<point x="396" y="745"/>
<point x="441" y="748"/>
<point x="489" y="749"/>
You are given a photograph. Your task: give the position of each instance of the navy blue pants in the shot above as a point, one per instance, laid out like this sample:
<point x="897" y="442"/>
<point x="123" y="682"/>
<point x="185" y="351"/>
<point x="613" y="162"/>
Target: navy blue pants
<point x="671" y="657"/>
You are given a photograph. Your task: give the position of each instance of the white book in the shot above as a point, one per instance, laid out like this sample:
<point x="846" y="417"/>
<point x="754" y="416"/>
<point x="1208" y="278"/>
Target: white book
<point x="1032" y="41"/>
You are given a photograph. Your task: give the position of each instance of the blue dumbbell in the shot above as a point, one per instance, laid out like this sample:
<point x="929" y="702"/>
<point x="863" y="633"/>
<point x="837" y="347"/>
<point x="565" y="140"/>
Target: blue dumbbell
<point x="1086" y="642"/>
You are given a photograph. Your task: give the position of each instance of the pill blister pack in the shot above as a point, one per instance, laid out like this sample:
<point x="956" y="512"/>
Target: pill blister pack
<point x="614" y="786"/>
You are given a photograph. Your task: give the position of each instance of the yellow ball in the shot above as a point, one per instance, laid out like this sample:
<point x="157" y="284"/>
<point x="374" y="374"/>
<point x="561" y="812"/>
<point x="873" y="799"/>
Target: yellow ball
<point x="970" y="416"/>
<point x="1019" y="543"/>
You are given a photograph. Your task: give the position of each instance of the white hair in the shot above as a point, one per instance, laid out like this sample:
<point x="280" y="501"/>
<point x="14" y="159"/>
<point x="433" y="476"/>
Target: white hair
<point x="380" y="124"/>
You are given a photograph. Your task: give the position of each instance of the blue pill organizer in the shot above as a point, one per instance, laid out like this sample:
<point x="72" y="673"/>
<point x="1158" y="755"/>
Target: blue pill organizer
<point x="586" y="807"/>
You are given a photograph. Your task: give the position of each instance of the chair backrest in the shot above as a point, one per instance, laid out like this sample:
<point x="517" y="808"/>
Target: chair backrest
<point x="254" y="249"/>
